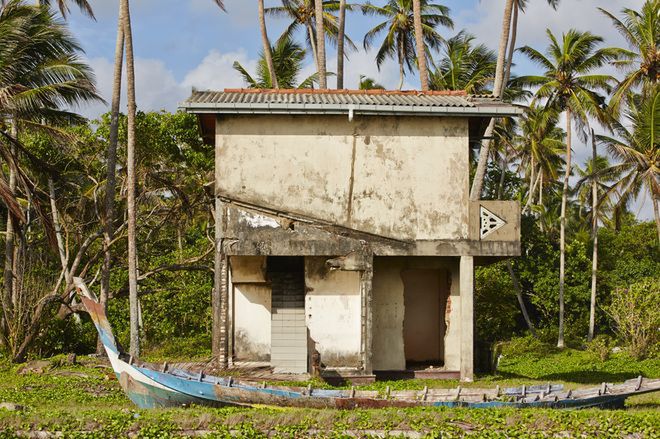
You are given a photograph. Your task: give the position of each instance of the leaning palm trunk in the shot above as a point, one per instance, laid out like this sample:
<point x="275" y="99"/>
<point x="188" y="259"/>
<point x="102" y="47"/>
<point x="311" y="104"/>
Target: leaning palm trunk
<point x="312" y="41"/>
<point x="266" y="43"/>
<point x="562" y="232"/>
<point x="512" y="44"/>
<point x="320" y="44"/>
<point x="340" y="44"/>
<point x="111" y="174"/>
<point x="498" y="85"/>
<point x="9" y="242"/>
<point x="594" y="231"/>
<point x="421" y="48"/>
<point x="131" y="186"/>
<point x="656" y="212"/>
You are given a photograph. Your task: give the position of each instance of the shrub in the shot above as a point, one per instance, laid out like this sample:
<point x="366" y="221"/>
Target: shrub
<point x="636" y="313"/>
<point x="526" y="346"/>
<point x="600" y="347"/>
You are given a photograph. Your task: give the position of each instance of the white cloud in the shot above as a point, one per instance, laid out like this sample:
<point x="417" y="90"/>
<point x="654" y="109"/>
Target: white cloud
<point x="215" y="72"/>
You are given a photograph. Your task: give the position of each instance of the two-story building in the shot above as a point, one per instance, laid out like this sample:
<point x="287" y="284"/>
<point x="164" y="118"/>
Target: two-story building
<point x="345" y="232"/>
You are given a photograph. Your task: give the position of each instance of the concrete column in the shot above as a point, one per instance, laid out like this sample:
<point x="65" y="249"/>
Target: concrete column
<point x="366" y="293"/>
<point x="220" y="296"/>
<point x="467" y="317"/>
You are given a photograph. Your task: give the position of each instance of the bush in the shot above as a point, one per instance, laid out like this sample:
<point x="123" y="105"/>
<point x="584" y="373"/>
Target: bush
<point x="600" y="347"/>
<point x="526" y="346"/>
<point x="636" y="313"/>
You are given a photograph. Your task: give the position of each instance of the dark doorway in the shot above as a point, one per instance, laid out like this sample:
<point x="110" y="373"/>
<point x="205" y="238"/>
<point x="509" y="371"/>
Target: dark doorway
<point x="424" y="298"/>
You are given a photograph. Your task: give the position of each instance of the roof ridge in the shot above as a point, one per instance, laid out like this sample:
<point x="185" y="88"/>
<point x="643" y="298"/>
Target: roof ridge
<point x="461" y="93"/>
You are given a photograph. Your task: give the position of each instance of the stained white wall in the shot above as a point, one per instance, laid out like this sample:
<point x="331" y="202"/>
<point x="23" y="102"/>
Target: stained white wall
<point x="402" y="177"/>
<point x="332" y="307"/>
<point x="251" y="309"/>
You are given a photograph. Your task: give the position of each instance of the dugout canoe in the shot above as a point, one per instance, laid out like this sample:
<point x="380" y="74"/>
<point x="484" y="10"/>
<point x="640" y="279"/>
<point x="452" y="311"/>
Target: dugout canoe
<point x="152" y="386"/>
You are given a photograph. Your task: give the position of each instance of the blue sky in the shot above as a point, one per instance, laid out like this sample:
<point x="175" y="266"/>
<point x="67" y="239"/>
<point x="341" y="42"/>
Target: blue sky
<point x="192" y="43"/>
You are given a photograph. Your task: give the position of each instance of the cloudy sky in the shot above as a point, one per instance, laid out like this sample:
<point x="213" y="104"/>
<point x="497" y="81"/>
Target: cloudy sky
<point x="192" y="43"/>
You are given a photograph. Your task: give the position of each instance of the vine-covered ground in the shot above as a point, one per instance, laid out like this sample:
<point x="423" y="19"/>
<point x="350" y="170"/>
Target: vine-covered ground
<point x="85" y="400"/>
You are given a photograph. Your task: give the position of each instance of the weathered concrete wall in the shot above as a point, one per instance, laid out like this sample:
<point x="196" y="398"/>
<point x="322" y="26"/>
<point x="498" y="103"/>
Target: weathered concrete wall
<point x="389" y="352"/>
<point x="401" y="177"/>
<point x="333" y="311"/>
<point x="252" y="322"/>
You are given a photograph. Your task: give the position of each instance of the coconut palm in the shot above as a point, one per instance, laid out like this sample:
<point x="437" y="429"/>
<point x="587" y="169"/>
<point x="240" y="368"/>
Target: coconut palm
<point x="420" y="46"/>
<point x="41" y="76"/>
<point x="302" y="14"/>
<point x="569" y="85"/>
<point x="642" y="32"/>
<point x="63" y="6"/>
<point x="320" y="44"/>
<point x="637" y="148"/>
<point x="288" y="58"/>
<point x="341" y="53"/>
<point x="369" y="84"/>
<point x="502" y="76"/>
<point x="268" y="55"/>
<point x="399" y="31"/>
<point x="539" y="147"/>
<point x="464" y="65"/>
<point x="593" y="186"/>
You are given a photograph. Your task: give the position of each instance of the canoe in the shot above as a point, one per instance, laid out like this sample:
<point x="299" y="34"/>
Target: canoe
<point x="160" y="385"/>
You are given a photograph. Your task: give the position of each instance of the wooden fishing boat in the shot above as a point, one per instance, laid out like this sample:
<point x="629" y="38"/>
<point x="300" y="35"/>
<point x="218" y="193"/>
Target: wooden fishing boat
<point x="151" y="386"/>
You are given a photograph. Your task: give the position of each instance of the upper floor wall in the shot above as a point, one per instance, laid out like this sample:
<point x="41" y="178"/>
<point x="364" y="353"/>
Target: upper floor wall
<point x="399" y="177"/>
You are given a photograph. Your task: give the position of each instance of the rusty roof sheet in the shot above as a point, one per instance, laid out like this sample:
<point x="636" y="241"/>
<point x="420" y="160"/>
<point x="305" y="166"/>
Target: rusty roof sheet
<point x="255" y="101"/>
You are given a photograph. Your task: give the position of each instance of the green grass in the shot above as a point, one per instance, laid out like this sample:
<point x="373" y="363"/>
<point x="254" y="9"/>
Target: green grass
<point x="86" y="401"/>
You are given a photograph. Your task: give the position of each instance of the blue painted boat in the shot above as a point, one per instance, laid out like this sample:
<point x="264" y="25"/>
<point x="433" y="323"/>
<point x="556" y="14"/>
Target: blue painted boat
<point x="151" y="386"/>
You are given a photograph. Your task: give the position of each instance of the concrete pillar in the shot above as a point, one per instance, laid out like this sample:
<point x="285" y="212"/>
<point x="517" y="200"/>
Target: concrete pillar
<point x="220" y="294"/>
<point x="467" y="317"/>
<point x="366" y="295"/>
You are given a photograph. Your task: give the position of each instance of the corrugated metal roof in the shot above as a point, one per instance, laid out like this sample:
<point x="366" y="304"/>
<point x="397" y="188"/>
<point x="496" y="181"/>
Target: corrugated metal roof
<point x="340" y="101"/>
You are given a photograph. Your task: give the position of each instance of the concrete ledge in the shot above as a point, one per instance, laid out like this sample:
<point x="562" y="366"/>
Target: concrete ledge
<point x="426" y="374"/>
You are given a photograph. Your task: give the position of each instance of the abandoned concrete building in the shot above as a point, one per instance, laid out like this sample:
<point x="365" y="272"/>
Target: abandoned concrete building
<point x="346" y="238"/>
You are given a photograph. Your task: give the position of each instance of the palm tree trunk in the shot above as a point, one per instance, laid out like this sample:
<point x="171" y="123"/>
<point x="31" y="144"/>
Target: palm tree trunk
<point x="320" y="44"/>
<point x="312" y="42"/>
<point x="340" y="44"/>
<point x="10" y="239"/>
<point x="402" y="71"/>
<point x="532" y="192"/>
<point x="512" y="44"/>
<point x="541" y="189"/>
<point x="421" y="48"/>
<point x="594" y="231"/>
<point x="498" y="85"/>
<point x="532" y="185"/>
<point x="503" y="166"/>
<point x="562" y="231"/>
<point x="131" y="185"/>
<point x="111" y="172"/>
<point x="266" y="43"/>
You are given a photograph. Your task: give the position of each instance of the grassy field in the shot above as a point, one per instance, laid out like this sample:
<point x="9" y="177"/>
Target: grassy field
<point x="85" y="401"/>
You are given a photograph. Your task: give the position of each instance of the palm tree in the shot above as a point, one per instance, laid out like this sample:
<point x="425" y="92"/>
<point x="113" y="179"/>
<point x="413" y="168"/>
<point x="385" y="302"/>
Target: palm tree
<point x="369" y="84"/>
<point x="266" y="45"/>
<point x="288" y="57"/>
<point x="539" y="147"/>
<point x="341" y="32"/>
<point x="131" y="182"/>
<point x="63" y="6"/>
<point x="320" y="44"/>
<point x="502" y="76"/>
<point x="419" y="45"/>
<point x="637" y="149"/>
<point x="569" y="86"/>
<point x="593" y="186"/>
<point x="399" y="28"/>
<point x="302" y="13"/>
<point x="41" y="76"/>
<point x="642" y="32"/>
<point x="463" y="66"/>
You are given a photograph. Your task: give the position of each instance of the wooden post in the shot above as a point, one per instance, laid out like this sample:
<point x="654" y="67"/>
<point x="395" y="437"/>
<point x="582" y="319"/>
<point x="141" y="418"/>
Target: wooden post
<point x="366" y="295"/>
<point x="467" y="317"/>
